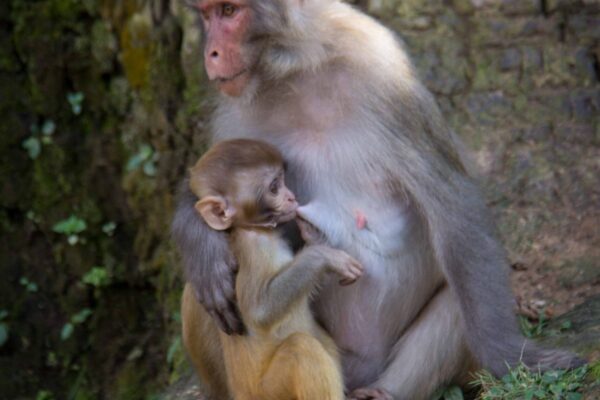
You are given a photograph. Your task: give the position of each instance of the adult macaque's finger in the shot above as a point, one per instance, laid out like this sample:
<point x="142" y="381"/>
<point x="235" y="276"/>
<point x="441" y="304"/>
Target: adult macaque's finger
<point x="220" y="321"/>
<point x="233" y="320"/>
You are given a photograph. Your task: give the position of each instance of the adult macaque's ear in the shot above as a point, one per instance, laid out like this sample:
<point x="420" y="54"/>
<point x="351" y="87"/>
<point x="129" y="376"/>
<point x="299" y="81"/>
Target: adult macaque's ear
<point x="215" y="211"/>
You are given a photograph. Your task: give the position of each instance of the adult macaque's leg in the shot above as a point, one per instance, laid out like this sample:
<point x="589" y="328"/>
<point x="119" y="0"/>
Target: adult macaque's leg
<point x="430" y="352"/>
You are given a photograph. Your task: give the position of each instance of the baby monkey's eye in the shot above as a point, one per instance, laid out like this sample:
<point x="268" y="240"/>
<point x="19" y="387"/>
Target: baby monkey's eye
<point x="228" y="9"/>
<point x="274" y="187"/>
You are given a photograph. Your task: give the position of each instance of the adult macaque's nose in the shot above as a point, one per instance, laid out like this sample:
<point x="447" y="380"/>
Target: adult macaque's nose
<point x="212" y="62"/>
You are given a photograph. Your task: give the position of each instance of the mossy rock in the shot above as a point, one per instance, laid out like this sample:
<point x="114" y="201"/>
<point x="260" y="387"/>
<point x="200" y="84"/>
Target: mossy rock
<point x="583" y="336"/>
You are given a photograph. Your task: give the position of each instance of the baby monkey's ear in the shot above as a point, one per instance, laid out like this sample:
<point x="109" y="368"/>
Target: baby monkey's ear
<point x="216" y="212"/>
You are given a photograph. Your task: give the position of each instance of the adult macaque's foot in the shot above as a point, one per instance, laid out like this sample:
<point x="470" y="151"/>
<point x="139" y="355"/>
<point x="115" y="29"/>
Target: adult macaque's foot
<point x="370" y="394"/>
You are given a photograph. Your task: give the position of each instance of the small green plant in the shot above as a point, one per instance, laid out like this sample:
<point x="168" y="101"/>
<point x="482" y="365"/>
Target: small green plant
<point x="175" y="347"/>
<point x="77" y="319"/>
<point x="39" y="135"/>
<point x="72" y="227"/>
<point x="30" y="286"/>
<point x="76" y="102"/>
<point x="33" y="147"/>
<point x="524" y="384"/>
<point x="48" y="128"/>
<point x="97" y="277"/>
<point x="33" y="217"/>
<point x="145" y="158"/>
<point x="452" y="393"/>
<point x="109" y="228"/>
<point x="4" y="332"/>
<point x="533" y="329"/>
<point x="540" y="327"/>
<point x="44" y="395"/>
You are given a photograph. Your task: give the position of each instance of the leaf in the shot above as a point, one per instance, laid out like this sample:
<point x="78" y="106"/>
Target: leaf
<point x="453" y="393"/>
<point x="49" y="127"/>
<point x="3" y="333"/>
<point x="574" y="396"/>
<point x="33" y="147"/>
<point x="44" y="395"/>
<point x="29" y="286"/>
<point x="109" y="228"/>
<point x="173" y="349"/>
<point x="566" y="325"/>
<point x="144" y="154"/>
<point x="75" y="100"/>
<point x="149" y="168"/>
<point x="3" y="314"/>
<point x="81" y="316"/>
<point x="70" y="226"/>
<point x="67" y="331"/>
<point x="97" y="277"/>
<point x="550" y="376"/>
<point x="134" y="354"/>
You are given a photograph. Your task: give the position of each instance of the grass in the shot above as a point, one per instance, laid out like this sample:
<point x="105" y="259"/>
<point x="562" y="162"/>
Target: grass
<point x="523" y="384"/>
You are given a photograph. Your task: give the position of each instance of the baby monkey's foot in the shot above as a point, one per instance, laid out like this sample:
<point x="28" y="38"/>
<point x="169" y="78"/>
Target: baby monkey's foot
<point x="370" y="394"/>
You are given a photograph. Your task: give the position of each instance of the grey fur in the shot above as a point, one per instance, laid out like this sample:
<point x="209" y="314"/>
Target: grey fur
<point x="358" y="129"/>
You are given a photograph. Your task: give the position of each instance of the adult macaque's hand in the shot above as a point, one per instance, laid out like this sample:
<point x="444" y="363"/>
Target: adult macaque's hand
<point x="215" y="290"/>
<point x="208" y="263"/>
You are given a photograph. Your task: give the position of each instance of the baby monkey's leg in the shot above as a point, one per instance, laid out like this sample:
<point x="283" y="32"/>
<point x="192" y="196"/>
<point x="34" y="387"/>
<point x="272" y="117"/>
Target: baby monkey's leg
<point x="303" y="369"/>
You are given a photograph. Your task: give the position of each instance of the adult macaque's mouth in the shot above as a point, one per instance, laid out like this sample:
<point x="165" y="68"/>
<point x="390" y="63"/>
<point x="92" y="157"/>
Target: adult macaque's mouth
<point x="233" y="77"/>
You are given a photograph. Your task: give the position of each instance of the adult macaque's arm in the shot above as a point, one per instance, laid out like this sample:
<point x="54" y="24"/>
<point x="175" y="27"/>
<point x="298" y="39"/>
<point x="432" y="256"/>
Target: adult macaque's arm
<point x="209" y="265"/>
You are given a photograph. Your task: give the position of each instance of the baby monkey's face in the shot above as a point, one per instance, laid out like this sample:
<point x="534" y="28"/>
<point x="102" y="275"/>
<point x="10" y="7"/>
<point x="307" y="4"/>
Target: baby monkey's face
<point x="276" y="203"/>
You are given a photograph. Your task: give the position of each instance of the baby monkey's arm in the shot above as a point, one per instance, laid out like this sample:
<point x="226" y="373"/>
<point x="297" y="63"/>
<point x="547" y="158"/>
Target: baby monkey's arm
<point x="299" y="278"/>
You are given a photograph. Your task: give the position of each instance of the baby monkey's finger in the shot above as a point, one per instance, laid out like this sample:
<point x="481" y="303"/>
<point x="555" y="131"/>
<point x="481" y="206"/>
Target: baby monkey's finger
<point x="347" y="281"/>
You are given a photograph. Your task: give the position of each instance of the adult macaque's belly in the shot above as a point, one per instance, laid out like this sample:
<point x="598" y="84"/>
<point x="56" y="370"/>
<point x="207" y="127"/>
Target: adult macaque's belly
<point x="367" y="318"/>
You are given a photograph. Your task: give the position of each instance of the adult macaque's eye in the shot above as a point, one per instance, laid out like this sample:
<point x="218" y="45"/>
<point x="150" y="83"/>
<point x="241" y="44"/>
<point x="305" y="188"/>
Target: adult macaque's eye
<point x="228" y="10"/>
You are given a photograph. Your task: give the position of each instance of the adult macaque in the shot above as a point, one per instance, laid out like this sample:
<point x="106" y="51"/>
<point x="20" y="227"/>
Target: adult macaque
<point x="334" y="91"/>
<point x="286" y="355"/>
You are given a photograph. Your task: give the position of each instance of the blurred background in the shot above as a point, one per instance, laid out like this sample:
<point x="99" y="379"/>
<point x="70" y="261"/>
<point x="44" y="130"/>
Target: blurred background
<point x="104" y="103"/>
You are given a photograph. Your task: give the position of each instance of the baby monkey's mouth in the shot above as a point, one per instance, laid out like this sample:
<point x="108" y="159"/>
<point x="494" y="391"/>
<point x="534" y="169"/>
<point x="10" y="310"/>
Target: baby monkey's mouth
<point x="286" y="217"/>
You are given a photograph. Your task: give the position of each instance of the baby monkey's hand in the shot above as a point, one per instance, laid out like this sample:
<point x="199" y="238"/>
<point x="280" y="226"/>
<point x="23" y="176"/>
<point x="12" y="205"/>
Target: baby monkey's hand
<point x="337" y="261"/>
<point x="310" y="233"/>
<point x="343" y="264"/>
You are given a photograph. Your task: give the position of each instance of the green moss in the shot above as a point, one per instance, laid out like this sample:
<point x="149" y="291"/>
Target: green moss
<point x="595" y="370"/>
<point x="131" y="383"/>
<point x="137" y="47"/>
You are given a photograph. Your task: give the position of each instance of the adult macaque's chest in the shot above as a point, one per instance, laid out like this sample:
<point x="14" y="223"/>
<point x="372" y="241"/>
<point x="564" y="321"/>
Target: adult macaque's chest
<point x="337" y="169"/>
<point x="333" y="165"/>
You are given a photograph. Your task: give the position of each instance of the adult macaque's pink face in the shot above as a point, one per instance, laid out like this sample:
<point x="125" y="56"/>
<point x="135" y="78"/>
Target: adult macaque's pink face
<point x="226" y="26"/>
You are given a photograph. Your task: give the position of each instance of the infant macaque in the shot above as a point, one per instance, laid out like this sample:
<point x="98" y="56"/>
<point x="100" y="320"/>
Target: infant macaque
<point x="285" y="354"/>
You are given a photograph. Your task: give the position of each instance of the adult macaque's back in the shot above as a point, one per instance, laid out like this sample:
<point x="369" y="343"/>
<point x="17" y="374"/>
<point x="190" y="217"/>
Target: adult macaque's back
<point x="335" y="92"/>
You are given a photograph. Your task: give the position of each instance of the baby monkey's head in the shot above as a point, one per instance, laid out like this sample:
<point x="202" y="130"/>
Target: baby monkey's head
<point x="240" y="183"/>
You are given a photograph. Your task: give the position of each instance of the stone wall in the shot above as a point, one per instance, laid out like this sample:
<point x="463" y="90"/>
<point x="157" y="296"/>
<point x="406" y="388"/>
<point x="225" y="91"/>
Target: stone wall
<point x="520" y="81"/>
<point x="104" y="105"/>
